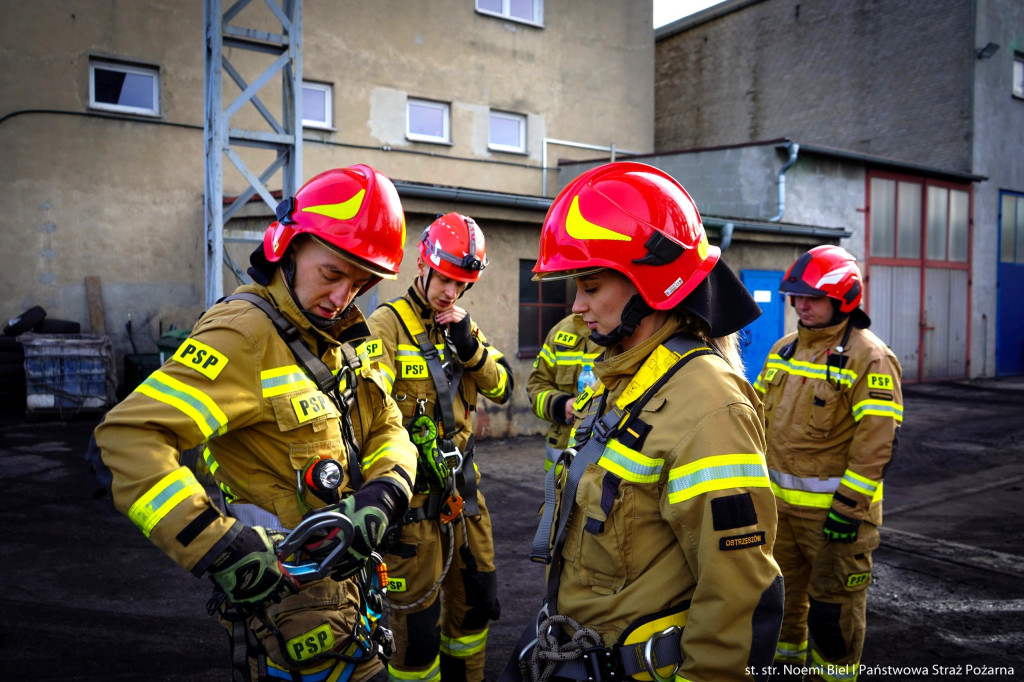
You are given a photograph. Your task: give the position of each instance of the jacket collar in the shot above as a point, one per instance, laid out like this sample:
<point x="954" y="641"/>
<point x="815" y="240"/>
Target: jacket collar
<point x="616" y="370"/>
<point x="820" y="337"/>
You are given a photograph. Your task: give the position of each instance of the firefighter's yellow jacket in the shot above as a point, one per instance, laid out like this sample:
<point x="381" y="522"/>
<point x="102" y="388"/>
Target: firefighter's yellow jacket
<point x="567" y="348"/>
<point x="236" y="385"/>
<point x="675" y="523"/>
<point x="832" y="421"/>
<point x="486" y="373"/>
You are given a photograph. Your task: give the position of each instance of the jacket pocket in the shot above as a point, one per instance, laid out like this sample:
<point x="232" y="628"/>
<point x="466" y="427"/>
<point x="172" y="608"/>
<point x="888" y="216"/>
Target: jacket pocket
<point x="598" y="539"/>
<point x="825" y="401"/>
<point x="312" y="625"/>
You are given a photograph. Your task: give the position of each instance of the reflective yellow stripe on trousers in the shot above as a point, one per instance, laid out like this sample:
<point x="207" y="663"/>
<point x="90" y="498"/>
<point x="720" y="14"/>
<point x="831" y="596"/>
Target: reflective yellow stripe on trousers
<point x="464" y="647"/>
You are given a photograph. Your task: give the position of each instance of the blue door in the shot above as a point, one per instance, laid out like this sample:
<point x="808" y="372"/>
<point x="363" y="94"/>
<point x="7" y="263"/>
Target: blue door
<point x="757" y="338"/>
<point x="1009" y="321"/>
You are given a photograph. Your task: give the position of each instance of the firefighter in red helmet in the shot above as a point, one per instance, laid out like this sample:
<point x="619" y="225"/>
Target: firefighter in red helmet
<point x="270" y="383"/>
<point x="833" y="409"/>
<point x="658" y="526"/>
<point x="442" y="581"/>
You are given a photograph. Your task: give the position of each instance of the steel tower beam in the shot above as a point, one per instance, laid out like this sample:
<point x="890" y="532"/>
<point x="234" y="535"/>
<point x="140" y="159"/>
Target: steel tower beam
<point x="282" y="134"/>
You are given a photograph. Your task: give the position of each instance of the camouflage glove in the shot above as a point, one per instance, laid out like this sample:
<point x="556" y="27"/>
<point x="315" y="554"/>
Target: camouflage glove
<point x="249" y="571"/>
<point x="370" y="509"/>
<point x="839" y="528"/>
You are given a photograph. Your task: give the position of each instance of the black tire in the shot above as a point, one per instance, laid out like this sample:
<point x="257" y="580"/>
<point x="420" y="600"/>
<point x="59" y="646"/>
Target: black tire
<point x="12" y="357"/>
<point x="52" y="326"/>
<point x="25" y="322"/>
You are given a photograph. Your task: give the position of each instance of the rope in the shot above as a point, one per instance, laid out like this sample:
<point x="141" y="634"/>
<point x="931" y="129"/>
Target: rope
<point x="548" y="653"/>
<point x="437" y="583"/>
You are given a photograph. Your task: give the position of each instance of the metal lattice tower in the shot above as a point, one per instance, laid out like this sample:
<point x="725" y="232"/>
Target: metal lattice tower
<point x="283" y="134"/>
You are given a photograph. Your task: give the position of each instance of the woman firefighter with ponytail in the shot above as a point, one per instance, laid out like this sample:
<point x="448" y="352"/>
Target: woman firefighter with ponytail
<point x="658" y="527"/>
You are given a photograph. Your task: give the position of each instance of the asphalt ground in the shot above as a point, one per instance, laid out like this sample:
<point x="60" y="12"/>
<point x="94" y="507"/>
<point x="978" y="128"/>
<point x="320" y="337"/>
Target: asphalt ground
<point x="84" y="596"/>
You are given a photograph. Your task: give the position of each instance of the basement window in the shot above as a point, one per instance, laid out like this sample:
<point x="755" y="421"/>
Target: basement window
<point x="317" y="105"/>
<point x="124" y="88"/>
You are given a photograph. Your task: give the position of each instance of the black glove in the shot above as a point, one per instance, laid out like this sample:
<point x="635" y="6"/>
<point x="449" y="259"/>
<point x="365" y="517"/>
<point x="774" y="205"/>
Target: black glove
<point x="249" y="571"/>
<point x="839" y="528"/>
<point x="461" y="334"/>
<point x="370" y="509"/>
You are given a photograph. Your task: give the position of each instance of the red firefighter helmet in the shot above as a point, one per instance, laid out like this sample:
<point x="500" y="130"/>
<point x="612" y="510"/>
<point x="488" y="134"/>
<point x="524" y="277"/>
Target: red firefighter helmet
<point x="355" y="211"/>
<point x="825" y="271"/>
<point x="454" y="246"/>
<point x="632" y="218"/>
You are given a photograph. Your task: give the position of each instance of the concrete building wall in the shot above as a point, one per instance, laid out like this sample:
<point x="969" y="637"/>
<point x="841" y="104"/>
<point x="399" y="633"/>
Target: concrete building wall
<point x="879" y="77"/>
<point x="122" y="197"/>
<point x="998" y="141"/>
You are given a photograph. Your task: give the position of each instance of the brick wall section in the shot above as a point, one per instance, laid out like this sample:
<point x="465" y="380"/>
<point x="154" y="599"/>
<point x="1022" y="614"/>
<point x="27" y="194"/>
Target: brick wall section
<point x="883" y="77"/>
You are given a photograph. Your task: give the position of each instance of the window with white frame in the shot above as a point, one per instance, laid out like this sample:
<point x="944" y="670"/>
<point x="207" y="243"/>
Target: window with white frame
<point x="317" y="105"/>
<point x="125" y="88"/>
<point x="506" y="132"/>
<point x="530" y="11"/>
<point x="427" y="121"/>
<point x="1018" y="75"/>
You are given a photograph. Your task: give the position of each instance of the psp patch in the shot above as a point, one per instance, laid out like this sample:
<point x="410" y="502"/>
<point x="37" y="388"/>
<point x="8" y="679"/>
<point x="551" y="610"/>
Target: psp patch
<point x="309" y="406"/>
<point x="566" y="338"/>
<point x="858" y="579"/>
<point x="374" y="348"/>
<point x="880" y="381"/>
<point x="312" y="643"/>
<point x="742" y="541"/>
<point x="396" y="584"/>
<point x="201" y="358"/>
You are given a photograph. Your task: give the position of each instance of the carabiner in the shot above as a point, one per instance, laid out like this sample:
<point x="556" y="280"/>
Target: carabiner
<point x="648" y="651"/>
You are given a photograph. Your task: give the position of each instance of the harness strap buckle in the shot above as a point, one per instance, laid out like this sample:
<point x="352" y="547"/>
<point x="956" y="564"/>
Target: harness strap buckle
<point x="649" y="659"/>
<point x="600" y="665"/>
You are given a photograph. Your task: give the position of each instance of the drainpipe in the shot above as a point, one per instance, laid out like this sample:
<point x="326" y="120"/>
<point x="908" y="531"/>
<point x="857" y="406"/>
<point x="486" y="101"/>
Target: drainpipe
<point x="726" y="238"/>
<point x="794" y="149"/>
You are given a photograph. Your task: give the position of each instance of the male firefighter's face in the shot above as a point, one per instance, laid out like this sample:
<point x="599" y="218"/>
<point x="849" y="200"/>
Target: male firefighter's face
<point x="442" y="291"/>
<point x="813" y="311"/>
<point x="325" y="284"/>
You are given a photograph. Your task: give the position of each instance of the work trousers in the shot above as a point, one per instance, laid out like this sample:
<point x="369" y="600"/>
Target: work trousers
<point x="826" y="597"/>
<point x="444" y="635"/>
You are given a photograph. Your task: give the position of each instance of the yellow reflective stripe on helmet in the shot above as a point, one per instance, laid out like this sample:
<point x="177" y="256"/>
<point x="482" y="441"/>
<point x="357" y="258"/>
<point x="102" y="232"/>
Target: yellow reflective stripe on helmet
<point x="833" y="672"/>
<point x="719" y="472"/>
<point x="192" y="402"/>
<point x="860" y="484"/>
<point x="877" y="408"/>
<point x="287" y="379"/>
<point x="463" y="647"/>
<point x="789" y="652"/>
<point x="159" y="500"/>
<point x="630" y="465"/>
<point x="431" y="674"/>
<point x="344" y="210"/>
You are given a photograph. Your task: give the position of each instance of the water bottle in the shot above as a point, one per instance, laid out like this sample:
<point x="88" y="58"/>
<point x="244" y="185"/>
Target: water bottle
<point x="585" y="379"/>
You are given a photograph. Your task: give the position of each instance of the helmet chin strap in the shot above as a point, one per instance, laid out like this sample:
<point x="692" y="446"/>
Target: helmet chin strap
<point x="633" y="313"/>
